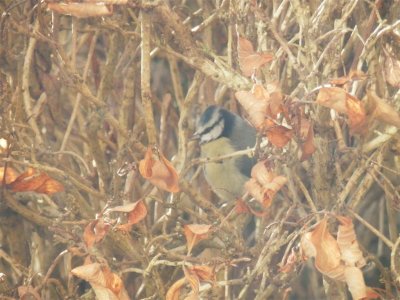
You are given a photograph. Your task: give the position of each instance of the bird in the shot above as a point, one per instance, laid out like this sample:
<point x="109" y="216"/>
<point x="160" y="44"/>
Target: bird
<point x="221" y="132"/>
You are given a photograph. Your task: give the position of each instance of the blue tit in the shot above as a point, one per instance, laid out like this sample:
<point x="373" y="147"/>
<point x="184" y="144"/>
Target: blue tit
<point x="221" y="132"/>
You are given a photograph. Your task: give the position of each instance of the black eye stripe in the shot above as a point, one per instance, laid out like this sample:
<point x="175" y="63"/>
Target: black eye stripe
<point x="208" y="129"/>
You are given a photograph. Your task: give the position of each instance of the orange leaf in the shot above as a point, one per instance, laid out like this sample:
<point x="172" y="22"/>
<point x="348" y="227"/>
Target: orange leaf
<point x="81" y="10"/>
<point x="342" y="102"/>
<point x="308" y="147"/>
<point x="348" y="245"/>
<point x="38" y="182"/>
<point x="357" y="115"/>
<point x="249" y="60"/>
<point x="258" y="192"/>
<point x="106" y="285"/>
<point x="11" y="175"/>
<point x="195" y="233"/>
<point x="137" y="211"/>
<point x="261" y="103"/>
<point x="255" y="107"/>
<point x="175" y="290"/>
<point x="262" y="173"/>
<point x="333" y="97"/>
<point x="159" y="171"/>
<point x="327" y="256"/>
<point x="146" y="165"/>
<point x="95" y="231"/>
<point x="264" y="184"/>
<point x="355" y="282"/>
<point x="278" y="135"/>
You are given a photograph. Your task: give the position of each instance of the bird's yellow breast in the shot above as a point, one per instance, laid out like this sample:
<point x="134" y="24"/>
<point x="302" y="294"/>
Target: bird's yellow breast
<point x="223" y="176"/>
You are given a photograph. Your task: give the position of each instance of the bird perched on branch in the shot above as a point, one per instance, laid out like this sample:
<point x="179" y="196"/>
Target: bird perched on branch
<point x="221" y="133"/>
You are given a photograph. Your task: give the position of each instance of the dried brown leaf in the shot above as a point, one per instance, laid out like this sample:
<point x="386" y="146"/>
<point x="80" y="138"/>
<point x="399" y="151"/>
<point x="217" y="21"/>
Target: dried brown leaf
<point x="333" y="97"/>
<point x="34" y="181"/>
<point x="95" y="231"/>
<point x="255" y="107"/>
<point x="356" y="115"/>
<point x="264" y="184"/>
<point x="308" y="147"/>
<point x="249" y="60"/>
<point x="327" y="256"/>
<point x="355" y="282"/>
<point x="137" y="211"/>
<point x="159" y="171"/>
<point x="278" y="135"/>
<point x="348" y="245"/>
<point x="106" y="285"/>
<point x="195" y="233"/>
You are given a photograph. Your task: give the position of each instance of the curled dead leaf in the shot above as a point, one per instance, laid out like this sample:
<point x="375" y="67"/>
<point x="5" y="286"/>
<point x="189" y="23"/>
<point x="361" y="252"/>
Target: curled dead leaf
<point x="333" y="97"/>
<point x="308" y="146"/>
<point x="342" y="102"/>
<point x="327" y="255"/>
<point x="34" y="181"/>
<point x="348" y="245"/>
<point x="261" y="103"/>
<point x="95" y="231"/>
<point x="355" y="282"/>
<point x="255" y="107"/>
<point x="356" y="115"/>
<point x="159" y="171"/>
<point x="105" y="284"/>
<point x="278" y="135"/>
<point x="264" y="184"/>
<point x="137" y="211"/>
<point x="194" y="233"/>
<point x="249" y="60"/>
